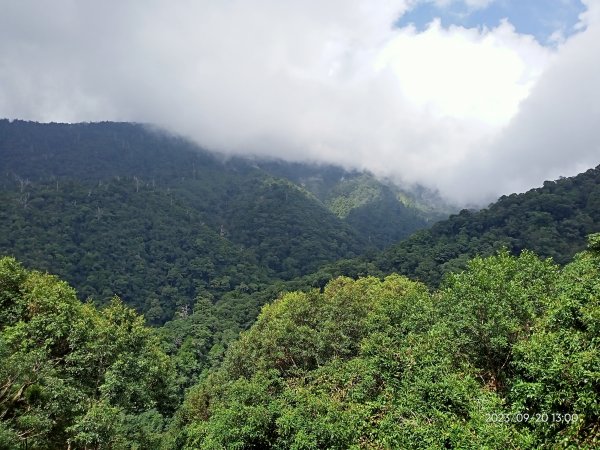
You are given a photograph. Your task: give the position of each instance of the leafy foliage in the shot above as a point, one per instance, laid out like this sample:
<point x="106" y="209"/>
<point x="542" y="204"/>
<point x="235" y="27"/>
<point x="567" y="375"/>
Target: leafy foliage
<point x="559" y="367"/>
<point x="492" y="306"/>
<point x="74" y="375"/>
<point x="387" y="364"/>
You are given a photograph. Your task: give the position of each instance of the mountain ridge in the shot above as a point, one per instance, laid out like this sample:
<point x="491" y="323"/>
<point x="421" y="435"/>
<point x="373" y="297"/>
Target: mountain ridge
<point x="118" y="208"/>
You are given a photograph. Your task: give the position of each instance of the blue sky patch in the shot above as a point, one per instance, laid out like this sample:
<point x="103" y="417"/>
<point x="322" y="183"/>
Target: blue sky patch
<point x="540" y="18"/>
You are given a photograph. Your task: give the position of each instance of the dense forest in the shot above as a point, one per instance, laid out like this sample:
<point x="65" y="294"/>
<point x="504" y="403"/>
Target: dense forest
<point x="503" y="355"/>
<point x="244" y="303"/>
<point x="117" y="208"/>
<point x="552" y="220"/>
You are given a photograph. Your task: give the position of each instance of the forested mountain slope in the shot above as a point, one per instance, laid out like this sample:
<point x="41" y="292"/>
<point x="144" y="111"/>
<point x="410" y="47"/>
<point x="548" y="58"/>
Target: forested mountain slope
<point x="425" y="246"/>
<point x="552" y="220"/>
<point x="502" y="355"/>
<point x="96" y="151"/>
<point x="121" y="208"/>
<point x="114" y="237"/>
<point x="158" y="248"/>
<point x="379" y="210"/>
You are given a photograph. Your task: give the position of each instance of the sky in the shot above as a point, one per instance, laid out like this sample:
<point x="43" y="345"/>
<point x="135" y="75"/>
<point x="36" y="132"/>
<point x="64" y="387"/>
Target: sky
<point x="475" y="98"/>
<point x="549" y="21"/>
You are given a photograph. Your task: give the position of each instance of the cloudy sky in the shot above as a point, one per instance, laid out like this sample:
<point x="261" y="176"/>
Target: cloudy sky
<point x="477" y="98"/>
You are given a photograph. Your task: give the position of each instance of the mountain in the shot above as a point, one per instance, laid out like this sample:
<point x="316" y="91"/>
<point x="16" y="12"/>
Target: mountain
<point x="502" y="354"/>
<point x="123" y="208"/>
<point x="380" y="210"/>
<point x="552" y="220"/>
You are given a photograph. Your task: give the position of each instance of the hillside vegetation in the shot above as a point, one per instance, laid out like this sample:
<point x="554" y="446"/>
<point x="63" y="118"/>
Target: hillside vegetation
<point x="503" y="355"/>
<point x="552" y="220"/>
<point x="254" y="308"/>
<point x="117" y="208"/>
<point x="75" y="376"/>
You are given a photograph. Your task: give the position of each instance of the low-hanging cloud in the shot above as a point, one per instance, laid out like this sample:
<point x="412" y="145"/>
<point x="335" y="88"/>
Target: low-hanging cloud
<point x="473" y="112"/>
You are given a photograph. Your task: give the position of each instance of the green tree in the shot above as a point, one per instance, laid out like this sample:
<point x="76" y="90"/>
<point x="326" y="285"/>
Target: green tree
<point x="559" y="367"/>
<point x="72" y="375"/>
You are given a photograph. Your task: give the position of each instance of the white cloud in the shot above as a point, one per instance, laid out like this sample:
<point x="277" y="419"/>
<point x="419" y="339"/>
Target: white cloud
<point x="479" y="4"/>
<point x="480" y="75"/>
<point x="328" y="81"/>
<point x="555" y="131"/>
<point x="472" y="4"/>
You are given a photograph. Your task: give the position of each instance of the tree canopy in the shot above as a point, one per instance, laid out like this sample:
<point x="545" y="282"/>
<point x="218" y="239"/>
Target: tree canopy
<point x="504" y="355"/>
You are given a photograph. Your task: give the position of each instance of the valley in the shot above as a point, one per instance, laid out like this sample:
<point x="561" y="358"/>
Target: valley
<point x="156" y="295"/>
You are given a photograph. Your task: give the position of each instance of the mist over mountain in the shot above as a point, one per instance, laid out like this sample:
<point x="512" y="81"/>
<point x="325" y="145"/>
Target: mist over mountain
<point x="127" y="209"/>
<point x="253" y="290"/>
<point x="118" y="208"/>
<point x="471" y="109"/>
<point x="300" y="225"/>
<point x="552" y="220"/>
